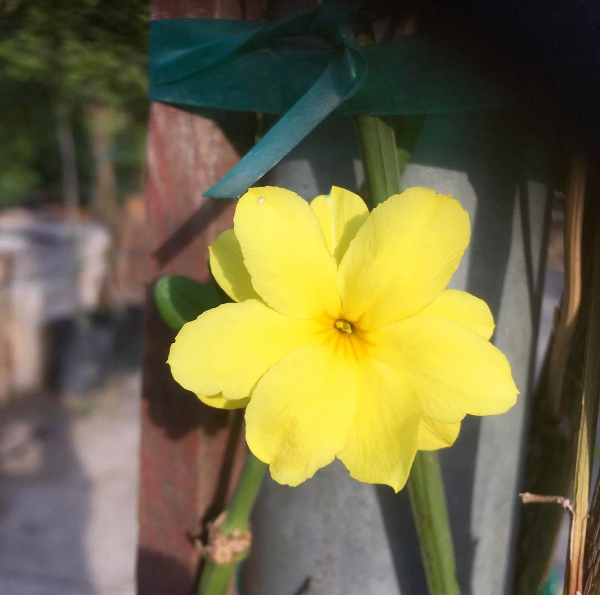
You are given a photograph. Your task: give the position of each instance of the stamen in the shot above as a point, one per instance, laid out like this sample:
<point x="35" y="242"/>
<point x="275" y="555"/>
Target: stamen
<point x="343" y="326"/>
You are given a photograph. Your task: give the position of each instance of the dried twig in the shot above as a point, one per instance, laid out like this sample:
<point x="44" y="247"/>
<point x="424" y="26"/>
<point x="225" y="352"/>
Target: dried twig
<point x="529" y="498"/>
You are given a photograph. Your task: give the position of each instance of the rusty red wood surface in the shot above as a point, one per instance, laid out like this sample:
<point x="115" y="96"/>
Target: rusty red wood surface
<point x="190" y="454"/>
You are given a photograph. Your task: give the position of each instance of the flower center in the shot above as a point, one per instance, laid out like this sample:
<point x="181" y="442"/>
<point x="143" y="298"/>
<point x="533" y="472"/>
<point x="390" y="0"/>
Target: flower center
<point x="343" y="326"/>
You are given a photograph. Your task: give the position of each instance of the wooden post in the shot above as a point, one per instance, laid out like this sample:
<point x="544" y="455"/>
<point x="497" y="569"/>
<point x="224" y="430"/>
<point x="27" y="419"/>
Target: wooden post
<point x="190" y="454"/>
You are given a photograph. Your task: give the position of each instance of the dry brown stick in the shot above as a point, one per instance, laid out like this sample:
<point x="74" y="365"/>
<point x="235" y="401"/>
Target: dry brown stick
<point x="529" y="498"/>
<point x="565" y="326"/>
<point x="591" y="569"/>
<point x="555" y="411"/>
<point x="587" y="427"/>
<point x="591" y="578"/>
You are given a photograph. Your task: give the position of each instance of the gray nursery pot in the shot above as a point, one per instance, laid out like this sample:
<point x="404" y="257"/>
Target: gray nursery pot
<point x="335" y="536"/>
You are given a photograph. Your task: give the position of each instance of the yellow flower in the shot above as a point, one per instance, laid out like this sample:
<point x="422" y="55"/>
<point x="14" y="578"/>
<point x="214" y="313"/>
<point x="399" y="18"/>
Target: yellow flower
<point x="344" y="341"/>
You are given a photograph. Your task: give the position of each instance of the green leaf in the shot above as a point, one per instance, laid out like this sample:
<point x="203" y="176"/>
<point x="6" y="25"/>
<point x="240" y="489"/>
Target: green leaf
<point x="180" y="299"/>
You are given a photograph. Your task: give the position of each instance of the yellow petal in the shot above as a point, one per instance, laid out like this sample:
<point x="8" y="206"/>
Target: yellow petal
<point x="453" y="370"/>
<point x="227" y="349"/>
<point x="434" y="435"/>
<point x="464" y="308"/>
<point x="402" y="257"/>
<point x="300" y="411"/>
<point x="220" y="402"/>
<point x="382" y="441"/>
<point x="286" y="253"/>
<point x="341" y="213"/>
<point x="227" y="267"/>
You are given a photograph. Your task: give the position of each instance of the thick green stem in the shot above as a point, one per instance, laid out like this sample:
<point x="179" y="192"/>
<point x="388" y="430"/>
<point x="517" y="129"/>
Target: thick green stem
<point x="215" y="578"/>
<point x="241" y="505"/>
<point x="386" y="147"/>
<point x="431" y="518"/>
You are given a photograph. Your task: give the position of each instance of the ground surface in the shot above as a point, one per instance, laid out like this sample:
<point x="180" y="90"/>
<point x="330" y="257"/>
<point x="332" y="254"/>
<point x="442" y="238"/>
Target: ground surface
<point x="68" y="490"/>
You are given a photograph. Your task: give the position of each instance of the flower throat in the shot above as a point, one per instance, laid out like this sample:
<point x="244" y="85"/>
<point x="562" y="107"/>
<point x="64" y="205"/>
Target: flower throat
<point x="343" y="326"/>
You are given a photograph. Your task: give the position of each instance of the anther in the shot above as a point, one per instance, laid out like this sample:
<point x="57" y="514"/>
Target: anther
<point x="343" y="326"/>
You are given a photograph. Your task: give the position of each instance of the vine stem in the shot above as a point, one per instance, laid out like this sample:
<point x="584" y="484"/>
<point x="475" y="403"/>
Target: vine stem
<point x="386" y="147"/>
<point x="216" y="578"/>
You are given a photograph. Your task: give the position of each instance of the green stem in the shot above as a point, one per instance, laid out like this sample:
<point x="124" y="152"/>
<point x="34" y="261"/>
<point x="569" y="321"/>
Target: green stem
<point x="386" y="147"/>
<point x="215" y="578"/>
<point x="242" y="503"/>
<point x="428" y="503"/>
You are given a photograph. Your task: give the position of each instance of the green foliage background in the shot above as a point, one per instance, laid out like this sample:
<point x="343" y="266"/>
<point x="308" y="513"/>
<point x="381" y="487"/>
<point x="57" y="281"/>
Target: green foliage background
<point x="60" y="56"/>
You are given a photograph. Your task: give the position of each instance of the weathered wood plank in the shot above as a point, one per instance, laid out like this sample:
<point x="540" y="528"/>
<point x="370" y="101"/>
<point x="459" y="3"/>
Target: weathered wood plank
<point x="190" y="454"/>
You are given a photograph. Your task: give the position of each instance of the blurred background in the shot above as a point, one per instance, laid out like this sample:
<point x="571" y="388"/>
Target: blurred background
<point x="73" y="88"/>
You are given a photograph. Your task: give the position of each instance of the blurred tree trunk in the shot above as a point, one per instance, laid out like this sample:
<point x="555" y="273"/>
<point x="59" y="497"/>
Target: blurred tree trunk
<point x="104" y="194"/>
<point x="68" y="163"/>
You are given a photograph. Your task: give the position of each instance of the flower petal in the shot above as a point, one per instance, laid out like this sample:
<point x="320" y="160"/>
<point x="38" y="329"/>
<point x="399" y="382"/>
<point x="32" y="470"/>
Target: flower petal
<point x="464" y="308"/>
<point x="228" y="269"/>
<point x="341" y="213"/>
<point x="300" y="411"/>
<point x="220" y="402"/>
<point x="453" y="370"/>
<point x="402" y="257"/>
<point x="227" y="349"/>
<point x="382" y="441"/>
<point x="434" y="435"/>
<point x="286" y="253"/>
